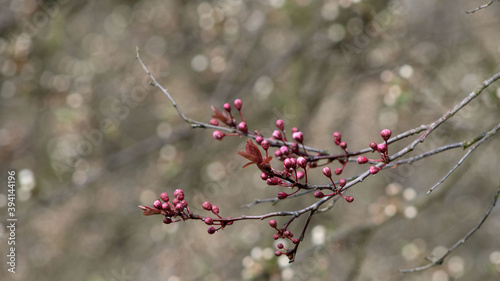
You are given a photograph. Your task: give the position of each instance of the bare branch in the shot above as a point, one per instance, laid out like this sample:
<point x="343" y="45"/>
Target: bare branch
<point x="480" y="7"/>
<point x="481" y="141"/>
<point x="440" y="261"/>
<point x="432" y="126"/>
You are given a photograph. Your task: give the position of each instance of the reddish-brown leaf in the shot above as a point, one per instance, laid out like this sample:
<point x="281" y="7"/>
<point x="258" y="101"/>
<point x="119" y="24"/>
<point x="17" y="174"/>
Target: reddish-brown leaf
<point x="253" y="154"/>
<point x="222" y="116"/>
<point x="148" y="211"/>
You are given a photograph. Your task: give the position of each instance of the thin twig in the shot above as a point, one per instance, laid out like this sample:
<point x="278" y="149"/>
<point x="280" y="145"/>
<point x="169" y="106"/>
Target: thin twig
<point x="480" y="7"/>
<point x="482" y="140"/>
<point x="432" y="126"/>
<point x="440" y="261"/>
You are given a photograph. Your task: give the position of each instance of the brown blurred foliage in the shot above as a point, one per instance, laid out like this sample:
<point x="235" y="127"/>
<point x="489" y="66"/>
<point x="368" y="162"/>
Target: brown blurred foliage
<point x="90" y="139"/>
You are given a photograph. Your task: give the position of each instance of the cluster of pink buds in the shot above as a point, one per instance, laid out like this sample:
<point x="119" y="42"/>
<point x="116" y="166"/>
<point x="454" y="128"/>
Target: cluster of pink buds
<point x="227" y="118"/>
<point x="327" y="172"/>
<point x="283" y="233"/>
<point x="337" y="139"/>
<point x="219" y="222"/>
<point x="176" y="209"/>
<point x="382" y="149"/>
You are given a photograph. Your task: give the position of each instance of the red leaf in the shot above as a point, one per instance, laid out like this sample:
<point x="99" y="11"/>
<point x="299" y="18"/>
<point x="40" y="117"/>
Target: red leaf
<point x="148" y="211"/>
<point x="251" y="153"/>
<point x="222" y="116"/>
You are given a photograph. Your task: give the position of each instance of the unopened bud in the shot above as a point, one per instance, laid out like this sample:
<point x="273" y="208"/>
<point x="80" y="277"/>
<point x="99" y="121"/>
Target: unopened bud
<point x="238" y="104"/>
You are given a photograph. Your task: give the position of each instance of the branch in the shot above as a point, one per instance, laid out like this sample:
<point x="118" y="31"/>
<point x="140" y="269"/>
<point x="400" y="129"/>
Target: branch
<point x="480" y="7"/>
<point x="432" y="126"/>
<point x="481" y="141"/>
<point x="386" y="162"/>
<point x="440" y="261"/>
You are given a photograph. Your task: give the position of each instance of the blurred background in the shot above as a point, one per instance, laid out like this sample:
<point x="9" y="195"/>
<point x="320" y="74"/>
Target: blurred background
<point x="90" y="139"/>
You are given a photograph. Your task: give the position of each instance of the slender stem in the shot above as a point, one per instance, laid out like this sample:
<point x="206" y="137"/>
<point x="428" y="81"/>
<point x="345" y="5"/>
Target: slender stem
<point x="480" y="7"/>
<point x="440" y="261"/>
<point x="478" y="143"/>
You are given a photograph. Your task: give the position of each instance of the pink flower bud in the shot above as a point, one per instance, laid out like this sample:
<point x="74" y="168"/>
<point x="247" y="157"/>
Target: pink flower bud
<point x="287" y="233"/>
<point x="208" y="220"/>
<point x="373" y="145"/>
<point x="295" y="129"/>
<point x="349" y="199"/>
<point x="183" y="203"/>
<point x="157" y="204"/>
<point x="290" y="163"/>
<point x="179" y="194"/>
<point x="319" y="194"/>
<point x="264" y="176"/>
<point x="273" y="223"/>
<point x="167" y="220"/>
<point x="211" y="230"/>
<point x="277" y="135"/>
<point x="327" y="172"/>
<point x="280" y="124"/>
<point x="295" y="240"/>
<point x="164" y="196"/>
<point x="280" y="246"/>
<point x="373" y="170"/>
<point x="284" y="150"/>
<point x="179" y="207"/>
<point x="259" y="139"/>
<point x="218" y="135"/>
<point x="227" y="107"/>
<point x="265" y="144"/>
<point x="278" y="253"/>
<point x="276" y="236"/>
<point x="338" y="171"/>
<point x="215" y="209"/>
<point x="362" y="160"/>
<point x="207" y="206"/>
<point x="382" y="148"/>
<point x="342" y="182"/>
<point x="337" y="136"/>
<point x="385" y="134"/>
<point x="243" y="127"/>
<point x="282" y="195"/>
<point x="343" y="145"/>
<point x="300" y="175"/>
<point x="298" y="137"/>
<point x="271" y="181"/>
<point x="302" y="162"/>
<point x="238" y="104"/>
<point x="278" y="154"/>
